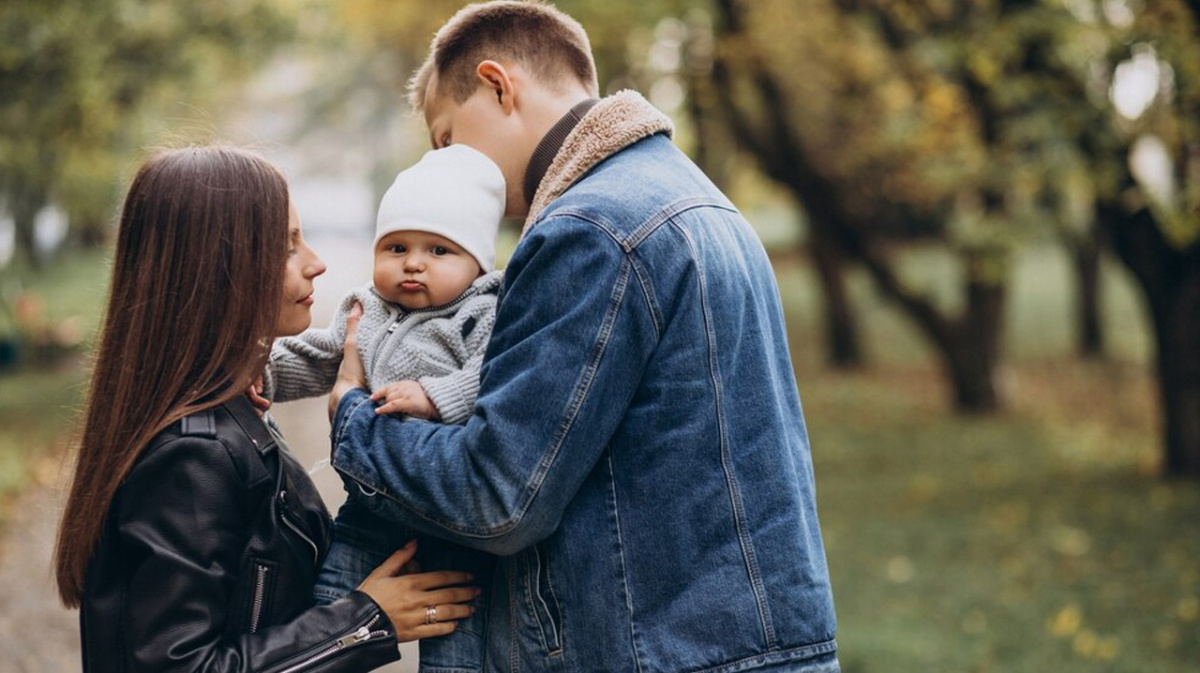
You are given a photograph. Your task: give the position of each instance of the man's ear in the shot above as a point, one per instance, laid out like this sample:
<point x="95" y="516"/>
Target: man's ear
<point x="497" y="78"/>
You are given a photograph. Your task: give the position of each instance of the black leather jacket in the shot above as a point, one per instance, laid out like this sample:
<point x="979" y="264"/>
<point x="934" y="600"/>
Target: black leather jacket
<point x="208" y="559"/>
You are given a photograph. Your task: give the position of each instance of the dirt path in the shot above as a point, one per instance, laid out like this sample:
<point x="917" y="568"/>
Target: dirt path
<point x="37" y="635"/>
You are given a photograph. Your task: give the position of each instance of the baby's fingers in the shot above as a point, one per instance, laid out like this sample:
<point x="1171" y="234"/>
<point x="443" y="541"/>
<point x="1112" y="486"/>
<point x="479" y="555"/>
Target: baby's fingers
<point x="393" y="407"/>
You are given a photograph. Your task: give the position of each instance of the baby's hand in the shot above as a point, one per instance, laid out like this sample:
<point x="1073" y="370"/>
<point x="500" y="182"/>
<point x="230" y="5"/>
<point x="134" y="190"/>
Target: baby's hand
<point x="405" y="397"/>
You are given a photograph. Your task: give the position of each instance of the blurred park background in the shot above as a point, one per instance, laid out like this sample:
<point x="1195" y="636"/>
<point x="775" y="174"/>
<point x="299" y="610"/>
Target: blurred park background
<point x="984" y="216"/>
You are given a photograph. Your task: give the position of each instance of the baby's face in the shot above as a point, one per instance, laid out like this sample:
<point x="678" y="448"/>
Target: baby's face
<point x="417" y="269"/>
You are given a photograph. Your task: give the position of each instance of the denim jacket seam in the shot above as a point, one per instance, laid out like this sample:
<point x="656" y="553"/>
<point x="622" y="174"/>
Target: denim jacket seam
<point x="341" y="429"/>
<point x="612" y="483"/>
<point x="635" y="238"/>
<point x="648" y="292"/>
<point x="533" y="589"/>
<point x="529" y="589"/>
<point x="773" y="657"/>
<point x="588" y="218"/>
<point x="581" y="391"/>
<point x="734" y="490"/>
<point x="560" y="628"/>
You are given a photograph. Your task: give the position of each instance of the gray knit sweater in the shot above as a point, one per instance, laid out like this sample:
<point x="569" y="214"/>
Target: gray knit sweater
<point x="440" y="347"/>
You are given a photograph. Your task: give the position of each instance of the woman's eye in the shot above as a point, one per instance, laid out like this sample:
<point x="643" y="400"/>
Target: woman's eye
<point x="440" y="250"/>
<point x="293" y="251"/>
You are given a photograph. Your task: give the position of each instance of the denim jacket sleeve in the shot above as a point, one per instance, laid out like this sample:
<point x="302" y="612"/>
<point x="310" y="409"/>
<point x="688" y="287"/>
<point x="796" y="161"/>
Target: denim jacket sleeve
<point x="572" y="335"/>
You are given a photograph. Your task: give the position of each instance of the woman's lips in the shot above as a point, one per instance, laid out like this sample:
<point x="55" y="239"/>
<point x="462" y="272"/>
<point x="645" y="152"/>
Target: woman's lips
<point x="307" y="301"/>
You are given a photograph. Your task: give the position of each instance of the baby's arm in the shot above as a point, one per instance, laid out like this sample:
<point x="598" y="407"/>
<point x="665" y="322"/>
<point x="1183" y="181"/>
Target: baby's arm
<point x="306" y="365"/>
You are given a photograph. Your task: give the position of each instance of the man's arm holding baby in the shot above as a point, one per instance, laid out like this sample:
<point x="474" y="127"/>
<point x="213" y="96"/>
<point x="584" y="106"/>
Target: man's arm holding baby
<point x="552" y="394"/>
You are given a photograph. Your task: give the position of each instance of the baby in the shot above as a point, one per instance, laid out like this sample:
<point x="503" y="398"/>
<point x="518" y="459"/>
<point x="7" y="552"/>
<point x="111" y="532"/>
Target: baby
<point x="426" y="320"/>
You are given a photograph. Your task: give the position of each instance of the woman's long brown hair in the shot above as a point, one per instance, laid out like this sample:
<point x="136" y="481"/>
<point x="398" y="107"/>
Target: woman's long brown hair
<point x="197" y="280"/>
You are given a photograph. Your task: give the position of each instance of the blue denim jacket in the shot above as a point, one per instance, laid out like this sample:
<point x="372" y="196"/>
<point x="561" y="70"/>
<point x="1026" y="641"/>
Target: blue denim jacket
<point x="637" y="452"/>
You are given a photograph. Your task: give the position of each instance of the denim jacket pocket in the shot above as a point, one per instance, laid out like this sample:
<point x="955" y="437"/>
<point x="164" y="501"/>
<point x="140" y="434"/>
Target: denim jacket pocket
<point x="542" y="601"/>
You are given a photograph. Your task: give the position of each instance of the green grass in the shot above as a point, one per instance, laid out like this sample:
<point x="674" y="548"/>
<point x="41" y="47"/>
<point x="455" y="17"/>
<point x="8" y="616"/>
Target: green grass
<point x="1037" y="541"/>
<point x="1041" y="539"/>
<point x="39" y="402"/>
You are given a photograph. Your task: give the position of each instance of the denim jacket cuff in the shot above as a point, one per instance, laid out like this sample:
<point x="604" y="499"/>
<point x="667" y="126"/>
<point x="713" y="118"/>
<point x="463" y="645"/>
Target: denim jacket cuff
<point x="350" y="402"/>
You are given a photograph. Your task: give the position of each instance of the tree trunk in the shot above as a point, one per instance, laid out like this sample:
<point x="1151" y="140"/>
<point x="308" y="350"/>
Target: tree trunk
<point x="1177" y="327"/>
<point x="969" y="345"/>
<point x="843" y="345"/>
<point x="974" y="352"/>
<point x="1090" y="333"/>
<point x="1170" y="280"/>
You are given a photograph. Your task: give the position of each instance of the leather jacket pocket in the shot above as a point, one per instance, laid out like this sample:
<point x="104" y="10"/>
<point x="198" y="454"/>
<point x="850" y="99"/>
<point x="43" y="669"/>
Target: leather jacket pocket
<point x="543" y="603"/>
<point x="262" y="574"/>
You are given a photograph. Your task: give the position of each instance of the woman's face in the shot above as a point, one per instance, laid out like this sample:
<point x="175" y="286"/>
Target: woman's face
<point x="303" y="265"/>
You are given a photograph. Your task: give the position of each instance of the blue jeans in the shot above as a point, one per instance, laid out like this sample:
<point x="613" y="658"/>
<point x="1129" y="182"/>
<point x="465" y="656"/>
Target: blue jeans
<point x="364" y="536"/>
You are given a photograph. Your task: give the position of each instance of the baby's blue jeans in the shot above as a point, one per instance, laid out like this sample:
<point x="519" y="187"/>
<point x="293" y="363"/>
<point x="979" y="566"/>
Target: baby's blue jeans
<point x="363" y="537"/>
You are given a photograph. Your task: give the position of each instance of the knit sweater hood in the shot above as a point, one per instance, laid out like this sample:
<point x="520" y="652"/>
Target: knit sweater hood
<point x="613" y="124"/>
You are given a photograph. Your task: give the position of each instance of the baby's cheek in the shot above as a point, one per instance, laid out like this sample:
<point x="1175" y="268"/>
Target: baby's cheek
<point x="382" y="273"/>
<point x="386" y="277"/>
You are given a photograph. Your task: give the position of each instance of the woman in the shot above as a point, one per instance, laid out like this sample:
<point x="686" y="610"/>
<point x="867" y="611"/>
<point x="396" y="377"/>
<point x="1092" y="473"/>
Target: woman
<point x="191" y="537"/>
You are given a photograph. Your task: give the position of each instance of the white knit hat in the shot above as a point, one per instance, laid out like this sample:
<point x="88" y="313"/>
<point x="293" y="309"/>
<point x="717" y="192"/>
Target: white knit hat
<point x="456" y="192"/>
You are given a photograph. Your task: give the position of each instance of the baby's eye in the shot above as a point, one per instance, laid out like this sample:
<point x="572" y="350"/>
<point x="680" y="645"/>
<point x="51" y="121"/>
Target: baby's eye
<point x="440" y="250"/>
<point x="397" y="249"/>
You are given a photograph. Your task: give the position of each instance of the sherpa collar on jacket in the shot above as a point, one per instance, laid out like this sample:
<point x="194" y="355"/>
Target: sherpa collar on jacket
<point x="613" y="124"/>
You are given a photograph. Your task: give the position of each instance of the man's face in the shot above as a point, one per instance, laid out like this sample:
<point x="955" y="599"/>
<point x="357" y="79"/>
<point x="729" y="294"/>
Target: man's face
<point x="482" y="123"/>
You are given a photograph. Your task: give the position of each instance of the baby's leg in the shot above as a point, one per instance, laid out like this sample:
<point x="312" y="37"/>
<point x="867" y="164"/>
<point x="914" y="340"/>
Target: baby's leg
<point x="461" y="651"/>
<point x="361" y="541"/>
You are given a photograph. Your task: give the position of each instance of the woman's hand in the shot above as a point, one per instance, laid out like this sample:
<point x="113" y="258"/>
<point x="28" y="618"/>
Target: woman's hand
<point x="261" y="404"/>
<point x="408" y="599"/>
<point x="350" y="374"/>
<point x="405" y="397"/>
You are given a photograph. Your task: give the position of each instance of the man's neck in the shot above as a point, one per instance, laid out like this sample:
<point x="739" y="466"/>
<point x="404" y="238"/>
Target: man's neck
<point x="543" y="155"/>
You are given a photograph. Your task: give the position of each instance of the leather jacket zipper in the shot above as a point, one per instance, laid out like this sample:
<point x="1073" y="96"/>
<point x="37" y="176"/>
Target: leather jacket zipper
<point x="360" y="635"/>
<point x="283" y="514"/>
<point x="260" y="590"/>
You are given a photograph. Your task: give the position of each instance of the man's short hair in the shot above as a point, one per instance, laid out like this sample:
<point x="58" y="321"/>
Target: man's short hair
<point x="549" y="44"/>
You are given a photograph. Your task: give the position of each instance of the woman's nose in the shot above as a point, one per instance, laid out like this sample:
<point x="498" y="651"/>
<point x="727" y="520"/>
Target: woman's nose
<point x="315" y="266"/>
<point x="318" y="267"/>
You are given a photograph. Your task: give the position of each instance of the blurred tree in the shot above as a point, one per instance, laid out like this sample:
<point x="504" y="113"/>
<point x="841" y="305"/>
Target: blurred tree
<point x="79" y="77"/>
<point x="1150" y="208"/>
<point x="966" y="124"/>
<point x="875" y="122"/>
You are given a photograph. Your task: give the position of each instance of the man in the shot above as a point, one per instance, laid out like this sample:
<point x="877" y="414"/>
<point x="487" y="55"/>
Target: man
<point x="637" y="453"/>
